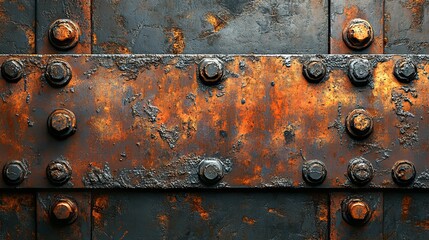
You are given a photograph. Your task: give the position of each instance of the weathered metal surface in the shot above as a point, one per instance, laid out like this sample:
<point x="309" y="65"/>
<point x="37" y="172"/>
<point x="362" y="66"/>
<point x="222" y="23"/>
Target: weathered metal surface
<point x="210" y="215"/>
<point x="57" y="218"/>
<point x="17" y="216"/>
<point x="406" y="215"/>
<point x="206" y="26"/>
<point x="17" y="32"/>
<point x="148" y="122"/>
<point x="406" y="26"/>
<point x="341" y="207"/>
<point x="342" y="13"/>
<point x="78" y="11"/>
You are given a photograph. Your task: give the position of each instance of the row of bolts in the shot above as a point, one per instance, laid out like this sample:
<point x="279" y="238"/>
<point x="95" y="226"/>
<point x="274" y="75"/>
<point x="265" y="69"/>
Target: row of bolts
<point x="64" y="34"/>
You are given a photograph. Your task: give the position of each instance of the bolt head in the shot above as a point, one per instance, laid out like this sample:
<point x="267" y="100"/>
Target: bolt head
<point x="403" y="172"/>
<point x="14" y="172"/>
<point x="360" y="72"/>
<point x="58" y="73"/>
<point x="358" y="34"/>
<point x="64" y="211"/>
<point x="314" y="172"/>
<point x="210" y="171"/>
<point x="359" y="124"/>
<point x="12" y="70"/>
<point x="405" y="70"/>
<point x="64" y="34"/>
<point x="356" y="211"/>
<point x="314" y="71"/>
<point x="211" y="71"/>
<point x="360" y="171"/>
<point x="62" y="123"/>
<point x="59" y="172"/>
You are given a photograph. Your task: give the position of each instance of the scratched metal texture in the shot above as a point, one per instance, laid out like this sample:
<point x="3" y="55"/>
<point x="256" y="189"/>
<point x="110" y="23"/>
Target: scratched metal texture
<point x="210" y="27"/>
<point x="146" y="121"/>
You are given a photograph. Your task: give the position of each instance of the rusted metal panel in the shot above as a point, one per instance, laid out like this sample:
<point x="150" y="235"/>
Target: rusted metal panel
<point x="17" y="216"/>
<point x="17" y="32"/>
<point x="406" y="25"/>
<point x="205" y="26"/>
<point x="148" y="122"/>
<point x="210" y="215"/>
<point x="372" y="228"/>
<point x="78" y="11"/>
<point x="56" y="221"/>
<point x="343" y="12"/>
<point x="406" y="215"/>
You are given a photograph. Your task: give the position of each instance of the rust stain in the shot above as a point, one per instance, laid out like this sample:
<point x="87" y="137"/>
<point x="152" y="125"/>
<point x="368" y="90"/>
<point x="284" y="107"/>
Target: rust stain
<point x="323" y="213"/>
<point x="114" y="48"/>
<point x="275" y="212"/>
<point x="423" y="224"/>
<point x="101" y="203"/>
<point x="163" y="220"/>
<point x="406" y="201"/>
<point x="124" y="235"/>
<point x="217" y="23"/>
<point x="248" y="220"/>
<point x="417" y="8"/>
<point x="177" y="40"/>
<point x="196" y="203"/>
<point x="94" y="38"/>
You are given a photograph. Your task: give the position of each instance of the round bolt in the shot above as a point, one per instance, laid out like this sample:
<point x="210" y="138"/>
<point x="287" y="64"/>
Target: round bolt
<point x="12" y="70"/>
<point x="58" y="73"/>
<point x="64" y="211"/>
<point x="211" y="71"/>
<point x="356" y="211"/>
<point x="62" y="123"/>
<point x="64" y="34"/>
<point x="360" y="171"/>
<point x="358" y="34"/>
<point x="14" y="172"/>
<point x="360" y="72"/>
<point x="314" y="172"/>
<point x="359" y="123"/>
<point x="210" y="171"/>
<point x="403" y="172"/>
<point x="405" y="70"/>
<point x="59" y="172"/>
<point x="314" y="71"/>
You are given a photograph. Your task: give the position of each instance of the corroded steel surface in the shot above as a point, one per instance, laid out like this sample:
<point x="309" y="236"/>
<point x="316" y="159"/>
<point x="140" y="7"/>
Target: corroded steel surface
<point x="17" y="216"/>
<point x="147" y="121"/>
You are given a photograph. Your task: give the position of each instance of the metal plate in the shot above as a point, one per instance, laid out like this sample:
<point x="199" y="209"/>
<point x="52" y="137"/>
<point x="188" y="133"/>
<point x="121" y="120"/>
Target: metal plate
<point x="17" y="216"/>
<point x="205" y="26"/>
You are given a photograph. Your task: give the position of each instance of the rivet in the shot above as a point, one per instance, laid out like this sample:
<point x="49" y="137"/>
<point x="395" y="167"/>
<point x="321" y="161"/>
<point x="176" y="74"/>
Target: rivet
<point x="64" y="34"/>
<point x="210" y="171"/>
<point x="360" y="72"/>
<point x="64" y="211"/>
<point x="314" y="70"/>
<point x="360" y="171"/>
<point x="62" y="123"/>
<point x="58" y="73"/>
<point x="59" y="172"/>
<point x="358" y="34"/>
<point x="12" y="70"/>
<point x="403" y="172"/>
<point x="359" y="123"/>
<point x="211" y="71"/>
<point x="314" y="172"/>
<point x="355" y="211"/>
<point x="405" y="70"/>
<point x="14" y="172"/>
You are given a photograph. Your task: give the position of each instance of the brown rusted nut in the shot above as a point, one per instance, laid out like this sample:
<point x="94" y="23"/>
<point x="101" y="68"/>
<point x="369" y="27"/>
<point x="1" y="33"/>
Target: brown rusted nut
<point x="62" y="123"/>
<point x="12" y="70"/>
<point x="210" y="171"/>
<point x="360" y="72"/>
<point x="405" y="70"/>
<point x="14" y="172"/>
<point x="356" y="211"/>
<point x="358" y="34"/>
<point x="314" y="172"/>
<point x="58" y="73"/>
<point x="64" y="34"/>
<point x="359" y="124"/>
<point x="59" y="172"/>
<point x="360" y="171"/>
<point x="314" y="70"/>
<point x="211" y="71"/>
<point x="403" y="172"/>
<point x="64" y="211"/>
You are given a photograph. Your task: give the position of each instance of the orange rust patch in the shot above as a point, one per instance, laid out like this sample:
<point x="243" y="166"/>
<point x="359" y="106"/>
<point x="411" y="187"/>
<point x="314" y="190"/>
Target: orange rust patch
<point x="177" y="40"/>
<point x="423" y="224"/>
<point x="406" y="201"/>
<point x="101" y="203"/>
<point x="94" y="38"/>
<point x="112" y="48"/>
<point x="163" y="220"/>
<point x="248" y="220"/>
<point x="217" y="23"/>
<point x="323" y="213"/>
<point x="172" y="199"/>
<point x="275" y="212"/>
<point x="417" y="8"/>
<point x="196" y="206"/>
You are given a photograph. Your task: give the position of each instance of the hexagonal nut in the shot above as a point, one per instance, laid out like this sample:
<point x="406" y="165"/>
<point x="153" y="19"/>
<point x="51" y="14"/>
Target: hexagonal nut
<point x="12" y="70"/>
<point x="314" y="70"/>
<point x="211" y="71"/>
<point x="314" y="172"/>
<point x="405" y="70"/>
<point x="359" y="124"/>
<point x="360" y="171"/>
<point x="62" y="123"/>
<point x="64" y="34"/>
<point x="58" y="73"/>
<point x="356" y="211"/>
<point x="64" y="211"/>
<point x="59" y="172"/>
<point x="403" y="172"/>
<point x="358" y="34"/>
<point x="360" y="72"/>
<point x="210" y="171"/>
<point x="14" y="172"/>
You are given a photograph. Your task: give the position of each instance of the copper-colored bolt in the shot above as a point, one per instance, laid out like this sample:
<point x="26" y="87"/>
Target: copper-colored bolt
<point x="358" y="34"/>
<point x="356" y="211"/>
<point x="64" y="211"/>
<point x="64" y="34"/>
<point x="359" y="123"/>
